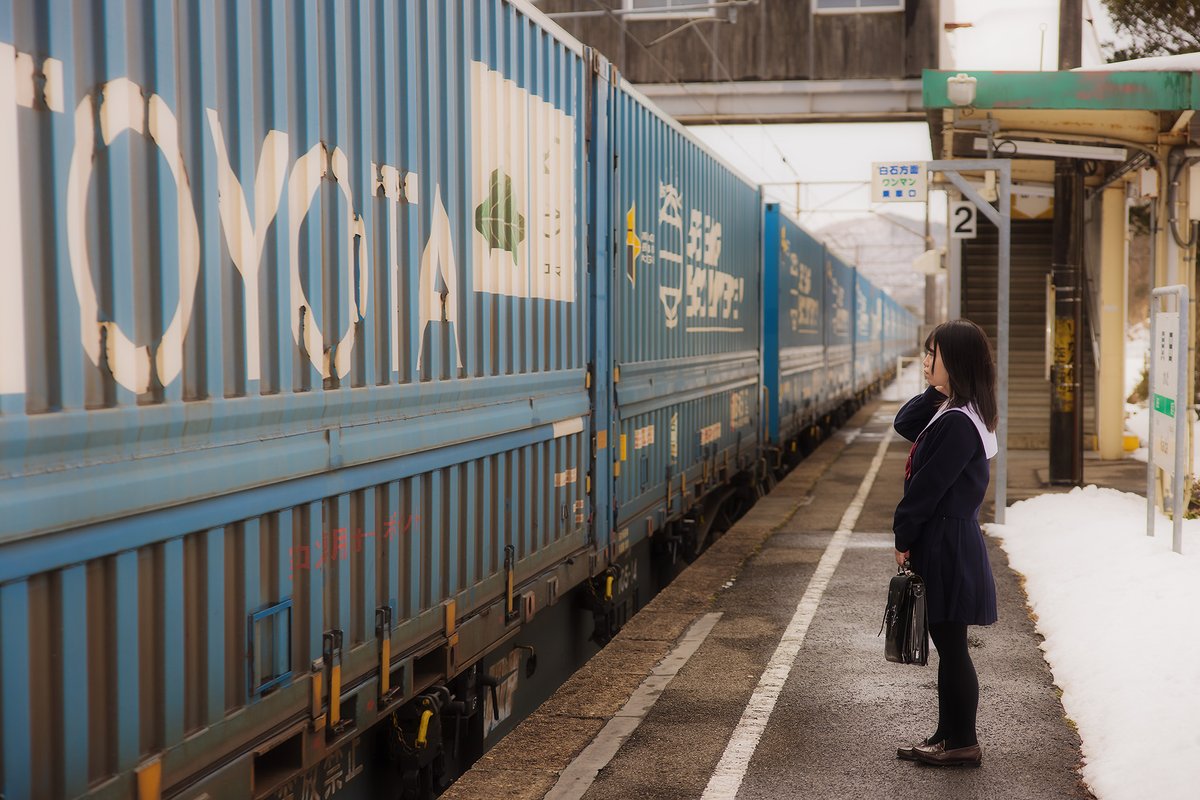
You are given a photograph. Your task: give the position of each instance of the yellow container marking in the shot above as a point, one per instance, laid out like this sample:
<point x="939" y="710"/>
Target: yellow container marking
<point x="318" y="688"/>
<point x="149" y="780"/>
<point x="335" y="694"/>
<point x="423" y="729"/>
<point x="385" y="660"/>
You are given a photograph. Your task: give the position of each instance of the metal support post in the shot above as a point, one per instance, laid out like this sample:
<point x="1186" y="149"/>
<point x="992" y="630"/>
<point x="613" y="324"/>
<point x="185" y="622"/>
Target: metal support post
<point x="954" y="271"/>
<point x="1001" y="217"/>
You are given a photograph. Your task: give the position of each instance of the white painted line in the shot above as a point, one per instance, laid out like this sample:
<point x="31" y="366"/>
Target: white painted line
<point x="731" y="770"/>
<point x="577" y="778"/>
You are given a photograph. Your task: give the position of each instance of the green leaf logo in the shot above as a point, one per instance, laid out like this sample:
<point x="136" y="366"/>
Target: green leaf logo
<point x="497" y="219"/>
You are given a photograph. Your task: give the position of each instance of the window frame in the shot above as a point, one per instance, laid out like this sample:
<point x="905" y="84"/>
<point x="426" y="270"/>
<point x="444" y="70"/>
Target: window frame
<point x="632" y="14"/>
<point x="857" y="9"/>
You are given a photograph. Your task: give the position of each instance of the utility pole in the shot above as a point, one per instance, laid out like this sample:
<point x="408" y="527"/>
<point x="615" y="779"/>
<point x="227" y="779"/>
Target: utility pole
<point x="1070" y="34"/>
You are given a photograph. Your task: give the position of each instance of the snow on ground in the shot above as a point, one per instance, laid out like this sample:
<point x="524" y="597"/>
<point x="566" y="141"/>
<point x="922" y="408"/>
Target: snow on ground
<point x="1117" y="610"/>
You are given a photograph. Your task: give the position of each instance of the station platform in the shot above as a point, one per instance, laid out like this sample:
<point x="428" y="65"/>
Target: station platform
<point x="758" y="672"/>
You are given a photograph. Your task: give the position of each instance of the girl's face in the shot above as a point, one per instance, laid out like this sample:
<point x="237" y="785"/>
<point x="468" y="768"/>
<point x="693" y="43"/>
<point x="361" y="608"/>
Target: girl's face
<point x="935" y="371"/>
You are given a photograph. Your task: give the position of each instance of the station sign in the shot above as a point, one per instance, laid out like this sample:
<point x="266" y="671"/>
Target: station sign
<point x="899" y="182"/>
<point x="1164" y="404"/>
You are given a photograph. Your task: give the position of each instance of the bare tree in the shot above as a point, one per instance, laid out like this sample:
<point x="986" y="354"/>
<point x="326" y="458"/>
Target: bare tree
<point x="1156" y="27"/>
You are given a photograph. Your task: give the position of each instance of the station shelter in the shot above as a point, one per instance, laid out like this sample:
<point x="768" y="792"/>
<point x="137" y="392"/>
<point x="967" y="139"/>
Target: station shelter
<point x="1094" y="154"/>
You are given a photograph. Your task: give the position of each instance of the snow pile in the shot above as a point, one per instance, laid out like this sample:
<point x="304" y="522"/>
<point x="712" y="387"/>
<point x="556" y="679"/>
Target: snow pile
<point x="1118" y="613"/>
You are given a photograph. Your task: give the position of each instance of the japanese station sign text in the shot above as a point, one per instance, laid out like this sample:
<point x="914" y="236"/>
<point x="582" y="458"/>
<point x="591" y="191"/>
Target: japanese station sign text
<point x="1165" y="385"/>
<point x="900" y="182"/>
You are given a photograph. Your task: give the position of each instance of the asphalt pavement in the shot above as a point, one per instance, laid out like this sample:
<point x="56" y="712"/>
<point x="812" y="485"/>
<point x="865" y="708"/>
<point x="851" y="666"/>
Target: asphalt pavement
<point x="841" y="711"/>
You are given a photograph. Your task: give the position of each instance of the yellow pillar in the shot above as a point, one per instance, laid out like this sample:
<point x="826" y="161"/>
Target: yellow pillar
<point x="1110" y="394"/>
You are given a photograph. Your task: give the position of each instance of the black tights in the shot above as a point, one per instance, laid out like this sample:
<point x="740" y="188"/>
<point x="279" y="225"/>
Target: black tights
<point x="958" y="686"/>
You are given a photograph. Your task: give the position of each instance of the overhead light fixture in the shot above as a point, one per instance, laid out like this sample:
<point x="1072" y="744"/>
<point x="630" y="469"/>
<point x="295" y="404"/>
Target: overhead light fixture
<point x="960" y="89"/>
<point x="1025" y="147"/>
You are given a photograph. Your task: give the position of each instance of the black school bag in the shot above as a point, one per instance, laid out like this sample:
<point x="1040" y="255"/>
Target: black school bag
<point x="906" y="619"/>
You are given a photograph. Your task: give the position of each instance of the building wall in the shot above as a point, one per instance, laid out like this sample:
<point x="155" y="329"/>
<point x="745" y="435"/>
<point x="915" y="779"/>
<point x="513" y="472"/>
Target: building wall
<point x="773" y="40"/>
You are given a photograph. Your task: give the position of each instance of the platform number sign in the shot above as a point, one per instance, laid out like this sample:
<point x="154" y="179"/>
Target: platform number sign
<point x="964" y="219"/>
<point x="901" y="182"/>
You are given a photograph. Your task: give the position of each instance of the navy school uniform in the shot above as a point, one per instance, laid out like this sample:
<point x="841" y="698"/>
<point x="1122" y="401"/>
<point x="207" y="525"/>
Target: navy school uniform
<point x="938" y="517"/>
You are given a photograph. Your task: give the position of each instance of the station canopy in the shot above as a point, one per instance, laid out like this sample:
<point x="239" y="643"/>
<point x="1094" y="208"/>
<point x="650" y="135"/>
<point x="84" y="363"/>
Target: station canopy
<point x="1138" y="106"/>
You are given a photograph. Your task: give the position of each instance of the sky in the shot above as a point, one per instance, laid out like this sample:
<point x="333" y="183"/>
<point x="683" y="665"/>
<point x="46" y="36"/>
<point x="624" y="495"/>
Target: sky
<point x="1004" y="36"/>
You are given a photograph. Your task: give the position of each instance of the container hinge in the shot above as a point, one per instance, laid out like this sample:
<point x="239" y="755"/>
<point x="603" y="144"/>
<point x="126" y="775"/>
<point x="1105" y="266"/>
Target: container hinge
<point x="316" y="704"/>
<point x="511" y="613"/>
<point x="332" y="655"/>
<point x="383" y="631"/>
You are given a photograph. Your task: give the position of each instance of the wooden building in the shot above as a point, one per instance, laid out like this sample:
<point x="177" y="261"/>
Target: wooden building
<point x="777" y="60"/>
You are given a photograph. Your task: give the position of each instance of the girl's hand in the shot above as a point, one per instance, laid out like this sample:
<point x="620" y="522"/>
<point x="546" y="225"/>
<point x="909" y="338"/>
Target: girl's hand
<point x="901" y="557"/>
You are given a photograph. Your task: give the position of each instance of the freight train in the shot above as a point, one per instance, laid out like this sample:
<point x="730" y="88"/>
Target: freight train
<point x="365" y="367"/>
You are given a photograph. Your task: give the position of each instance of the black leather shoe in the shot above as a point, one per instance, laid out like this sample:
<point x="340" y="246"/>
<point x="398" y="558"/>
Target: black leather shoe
<point x="938" y="756"/>
<point x="910" y="753"/>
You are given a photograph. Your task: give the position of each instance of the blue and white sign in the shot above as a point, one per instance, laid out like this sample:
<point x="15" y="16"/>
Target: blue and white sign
<point x="1170" y="416"/>
<point x="899" y="182"/>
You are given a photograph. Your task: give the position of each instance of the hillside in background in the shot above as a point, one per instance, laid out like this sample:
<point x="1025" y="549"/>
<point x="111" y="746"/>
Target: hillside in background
<point x="883" y="246"/>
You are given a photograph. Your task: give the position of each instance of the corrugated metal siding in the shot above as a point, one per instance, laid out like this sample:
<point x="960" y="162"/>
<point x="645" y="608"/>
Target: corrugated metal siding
<point x="802" y="325"/>
<point x="312" y="279"/>
<point x="129" y="653"/>
<point x="692" y="289"/>
<point x="900" y="337"/>
<point x="686" y="297"/>
<point x="868" y="345"/>
<point x="839" y="330"/>
<point x="234" y="221"/>
<point x="661" y="443"/>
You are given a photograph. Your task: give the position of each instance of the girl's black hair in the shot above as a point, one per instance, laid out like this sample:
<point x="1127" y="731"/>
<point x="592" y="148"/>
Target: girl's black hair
<point x="965" y="350"/>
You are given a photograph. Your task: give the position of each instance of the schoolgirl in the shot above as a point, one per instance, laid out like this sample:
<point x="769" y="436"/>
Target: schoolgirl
<point x="952" y="426"/>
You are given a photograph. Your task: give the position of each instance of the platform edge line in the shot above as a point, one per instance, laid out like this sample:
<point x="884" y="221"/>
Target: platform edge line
<point x="579" y="775"/>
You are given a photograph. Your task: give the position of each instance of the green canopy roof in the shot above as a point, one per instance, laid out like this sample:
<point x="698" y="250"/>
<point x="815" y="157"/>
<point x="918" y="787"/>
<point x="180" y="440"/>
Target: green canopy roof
<point x="1098" y="91"/>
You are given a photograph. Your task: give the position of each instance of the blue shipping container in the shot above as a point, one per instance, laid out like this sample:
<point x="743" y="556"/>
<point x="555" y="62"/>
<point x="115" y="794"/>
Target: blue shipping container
<point x="306" y="387"/>
<point x="685" y="317"/>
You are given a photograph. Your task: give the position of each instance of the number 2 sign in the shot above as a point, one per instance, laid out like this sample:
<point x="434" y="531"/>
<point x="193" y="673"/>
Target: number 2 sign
<point x="964" y="219"/>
